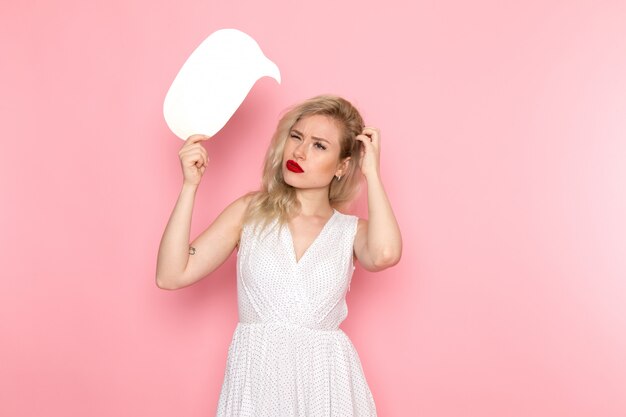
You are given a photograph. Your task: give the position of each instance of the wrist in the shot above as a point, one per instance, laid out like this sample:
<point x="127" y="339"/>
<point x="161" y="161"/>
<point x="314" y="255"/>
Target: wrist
<point x="372" y="176"/>
<point x="189" y="186"/>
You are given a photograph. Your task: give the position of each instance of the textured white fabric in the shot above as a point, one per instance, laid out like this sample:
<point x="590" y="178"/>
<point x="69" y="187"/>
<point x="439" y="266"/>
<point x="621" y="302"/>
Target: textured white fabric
<point x="288" y="356"/>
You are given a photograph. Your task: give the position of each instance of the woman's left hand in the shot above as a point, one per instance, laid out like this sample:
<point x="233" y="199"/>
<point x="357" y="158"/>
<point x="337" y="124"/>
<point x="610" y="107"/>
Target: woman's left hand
<point x="370" y="152"/>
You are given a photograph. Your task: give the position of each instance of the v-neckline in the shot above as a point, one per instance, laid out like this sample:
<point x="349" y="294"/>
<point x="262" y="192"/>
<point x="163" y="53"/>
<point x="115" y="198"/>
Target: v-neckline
<point x="304" y="254"/>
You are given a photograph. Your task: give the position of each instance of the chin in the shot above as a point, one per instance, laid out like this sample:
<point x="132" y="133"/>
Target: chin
<point x="295" y="183"/>
<point x="287" y="177"/>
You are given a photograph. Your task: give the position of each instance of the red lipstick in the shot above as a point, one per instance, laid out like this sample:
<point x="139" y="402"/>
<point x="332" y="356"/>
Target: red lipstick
<point x="293" y="166"/>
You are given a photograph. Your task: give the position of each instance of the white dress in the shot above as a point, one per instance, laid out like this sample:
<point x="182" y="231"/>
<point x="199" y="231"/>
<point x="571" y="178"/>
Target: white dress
<point x="288" y="356"/>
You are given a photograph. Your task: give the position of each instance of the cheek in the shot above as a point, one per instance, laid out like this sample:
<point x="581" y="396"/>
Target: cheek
<point x="328" y="165"/>
<point x="288" y="148"/>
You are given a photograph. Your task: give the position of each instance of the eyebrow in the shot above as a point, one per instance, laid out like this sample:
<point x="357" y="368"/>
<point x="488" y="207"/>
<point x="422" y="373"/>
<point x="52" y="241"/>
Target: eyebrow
<point x="314" y="137"/>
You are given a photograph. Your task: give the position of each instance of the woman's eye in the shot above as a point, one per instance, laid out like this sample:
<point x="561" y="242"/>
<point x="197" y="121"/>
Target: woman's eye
<point x="320" y="146"/>
<point x="295" y="136"/>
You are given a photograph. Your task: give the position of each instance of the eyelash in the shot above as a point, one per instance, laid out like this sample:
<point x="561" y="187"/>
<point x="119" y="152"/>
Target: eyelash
<point x="318" y="144"/>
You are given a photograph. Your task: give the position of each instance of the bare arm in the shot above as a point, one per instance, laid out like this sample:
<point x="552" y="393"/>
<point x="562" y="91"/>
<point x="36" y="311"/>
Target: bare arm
<point x="214" y="245"/>
<point x="174" y="246"/>
<point x="177" y="267"/>
<point x="378" y="243"/>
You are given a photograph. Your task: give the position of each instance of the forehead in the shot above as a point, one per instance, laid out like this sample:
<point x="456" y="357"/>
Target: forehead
<point x="320" y="126"/>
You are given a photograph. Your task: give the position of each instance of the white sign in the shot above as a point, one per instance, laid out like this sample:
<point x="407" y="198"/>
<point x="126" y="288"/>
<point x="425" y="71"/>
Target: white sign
<point x="214" y="81"/>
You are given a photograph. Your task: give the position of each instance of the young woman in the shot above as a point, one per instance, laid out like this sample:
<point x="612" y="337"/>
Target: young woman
<point x="295" y="260"/>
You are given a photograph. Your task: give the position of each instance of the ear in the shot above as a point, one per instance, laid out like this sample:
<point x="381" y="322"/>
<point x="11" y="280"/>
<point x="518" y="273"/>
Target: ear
<point x="343" y="166"/>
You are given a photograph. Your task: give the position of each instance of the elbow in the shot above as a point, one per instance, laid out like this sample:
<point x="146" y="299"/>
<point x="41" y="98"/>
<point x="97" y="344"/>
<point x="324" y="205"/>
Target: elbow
<point x="166" y="284"/>
<point x="387" y="259"/>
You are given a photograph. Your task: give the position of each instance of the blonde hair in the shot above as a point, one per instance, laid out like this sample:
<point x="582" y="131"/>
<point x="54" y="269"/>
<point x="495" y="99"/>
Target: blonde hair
<point x="276" y="199"/>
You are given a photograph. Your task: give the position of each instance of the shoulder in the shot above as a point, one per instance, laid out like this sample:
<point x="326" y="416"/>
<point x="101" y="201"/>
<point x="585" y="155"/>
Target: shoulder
<point x="346" y="216"/>
<point x="232" y="217"/>
<point x="241" y="204"/>
<point x="238" y="207"/>
<point x="348" y="221"/>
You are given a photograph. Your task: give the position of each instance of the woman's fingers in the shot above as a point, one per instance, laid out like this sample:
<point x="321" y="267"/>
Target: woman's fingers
<point x="195" y="139"/>
<point x="193" y="149"/>
<point x="370" y="138"/>
<point x="195" y="154"/>
<point x="365" y="138"/>
<point x="370" y="129"/>
<point x="372" y="133"/>
<point x="194" y="158"/>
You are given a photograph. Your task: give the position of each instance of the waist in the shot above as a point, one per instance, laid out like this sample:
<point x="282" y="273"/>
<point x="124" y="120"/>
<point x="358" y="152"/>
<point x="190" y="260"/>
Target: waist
<point x="287" y="325"/>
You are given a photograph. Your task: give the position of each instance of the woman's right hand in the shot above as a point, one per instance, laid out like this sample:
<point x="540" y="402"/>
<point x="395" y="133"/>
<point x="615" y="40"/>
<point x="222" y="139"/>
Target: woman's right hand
<point x="193" y="159"/>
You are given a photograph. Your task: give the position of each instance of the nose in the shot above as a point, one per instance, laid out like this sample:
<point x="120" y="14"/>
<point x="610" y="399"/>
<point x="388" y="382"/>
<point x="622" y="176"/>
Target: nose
<point x="299" y="151"/>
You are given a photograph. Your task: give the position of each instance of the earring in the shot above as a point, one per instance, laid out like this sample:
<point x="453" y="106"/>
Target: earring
<point x="338" y="177"/>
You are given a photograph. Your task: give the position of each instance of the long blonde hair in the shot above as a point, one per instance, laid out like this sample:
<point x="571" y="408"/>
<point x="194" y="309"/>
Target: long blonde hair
<point x="276" y="199"/>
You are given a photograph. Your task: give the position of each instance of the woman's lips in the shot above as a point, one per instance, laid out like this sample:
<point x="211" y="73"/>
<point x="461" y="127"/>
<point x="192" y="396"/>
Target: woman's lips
<point x="293" y="166"/>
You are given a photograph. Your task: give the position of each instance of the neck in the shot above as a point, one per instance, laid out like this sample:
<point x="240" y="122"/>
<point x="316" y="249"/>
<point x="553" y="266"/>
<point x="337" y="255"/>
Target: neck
<point x="314" y="202"/>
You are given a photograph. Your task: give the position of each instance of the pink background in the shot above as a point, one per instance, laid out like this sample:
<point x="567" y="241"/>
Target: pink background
<point x="503" y="154"/>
